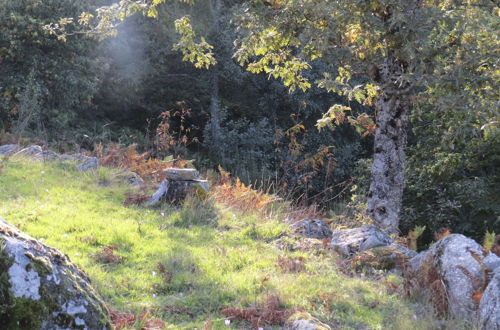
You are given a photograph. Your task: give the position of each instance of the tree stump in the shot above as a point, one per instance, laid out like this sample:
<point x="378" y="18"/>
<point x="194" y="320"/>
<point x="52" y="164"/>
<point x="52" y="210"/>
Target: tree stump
<point x="178" y="185"/>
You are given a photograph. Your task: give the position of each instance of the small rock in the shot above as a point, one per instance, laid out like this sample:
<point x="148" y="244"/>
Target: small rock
<point x="91" y="163"/>
<point x="350" y="241"/>
<point x="30" y="151"/>
<point x="128" y="177"/>
<point x="181" y="174"/>
<point x="312" y="228"/>
<point x="9" y="149"/>
<point x="47" y="155"/>
<point x="305" y="321"/>
<point x="418" y="261"/>
<point x="489" y="307"/>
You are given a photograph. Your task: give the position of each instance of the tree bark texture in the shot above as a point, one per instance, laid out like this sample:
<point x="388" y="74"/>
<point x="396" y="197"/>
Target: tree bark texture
<point x="214" y="105"/>
<point x="388" y="170"/>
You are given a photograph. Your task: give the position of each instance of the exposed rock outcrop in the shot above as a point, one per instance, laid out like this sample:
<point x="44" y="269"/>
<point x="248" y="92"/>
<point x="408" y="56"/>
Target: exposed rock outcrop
<point x="41" y="289"/>
<point x="350" y="241"/>
<point x="312" y="228"/>
<point x="36" y="152"/>
<point x="47" y="155"/>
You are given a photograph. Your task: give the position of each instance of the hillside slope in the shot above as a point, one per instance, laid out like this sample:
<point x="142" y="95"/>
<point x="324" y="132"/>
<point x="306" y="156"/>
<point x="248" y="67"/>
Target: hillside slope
<point x="186" y="265"/>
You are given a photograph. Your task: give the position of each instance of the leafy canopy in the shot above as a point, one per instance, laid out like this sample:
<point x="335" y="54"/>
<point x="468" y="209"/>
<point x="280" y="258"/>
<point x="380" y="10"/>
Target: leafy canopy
<point x="431" y="40"/>
<point x="105" y="21"/>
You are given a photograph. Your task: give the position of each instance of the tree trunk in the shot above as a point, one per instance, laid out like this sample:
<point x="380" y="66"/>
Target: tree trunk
<point x="215" y="8"/>
<point x="388" y="170"/>
<point x="214" y="105"/>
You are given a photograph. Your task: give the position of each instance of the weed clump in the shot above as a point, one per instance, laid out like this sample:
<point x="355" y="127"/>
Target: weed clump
<point x="106" y="255"/>
<point x="131" y="321"/>
<point x="270" y="313"/>
<point x="242" y="197"/>
<point x="291" y="265"/>
<point x="197" y="212"/>
<point x="135" y="199"/>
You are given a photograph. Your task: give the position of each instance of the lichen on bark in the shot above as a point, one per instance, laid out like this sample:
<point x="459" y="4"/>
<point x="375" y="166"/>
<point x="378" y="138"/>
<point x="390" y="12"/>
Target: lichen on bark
<point x="388" y="169"/>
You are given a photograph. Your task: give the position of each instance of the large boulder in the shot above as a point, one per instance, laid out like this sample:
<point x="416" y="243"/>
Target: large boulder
<point x="457" y="264"/>
<point x="9" y="149"/>
<point x="40" y="288"/>
<point x="312" y="228"/>
<point x="350" y="241"/>
<point x="489" y="308"/>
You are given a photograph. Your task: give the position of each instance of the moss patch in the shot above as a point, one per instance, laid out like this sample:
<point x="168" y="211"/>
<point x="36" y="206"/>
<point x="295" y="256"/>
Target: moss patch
<point x="17" y="313"/>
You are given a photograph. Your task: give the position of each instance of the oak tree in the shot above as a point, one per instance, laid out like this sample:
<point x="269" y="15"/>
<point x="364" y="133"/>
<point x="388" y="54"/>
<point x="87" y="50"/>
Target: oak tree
<point x="387" y="54"/>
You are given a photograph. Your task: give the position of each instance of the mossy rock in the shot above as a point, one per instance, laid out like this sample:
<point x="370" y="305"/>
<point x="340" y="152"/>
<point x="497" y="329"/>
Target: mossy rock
<point x="305" y="321"/>
<point x="128" y="177"/>
<point x="40" y="288"/>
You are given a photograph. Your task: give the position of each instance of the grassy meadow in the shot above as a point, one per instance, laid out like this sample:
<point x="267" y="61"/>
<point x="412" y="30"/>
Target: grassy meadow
<point x="184" y="265"/>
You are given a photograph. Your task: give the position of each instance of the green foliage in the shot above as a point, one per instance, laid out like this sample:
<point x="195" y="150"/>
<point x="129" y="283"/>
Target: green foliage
<point x="453" y="177"/>
<point x="244" y="148"/>
<point x="457" y="189"/>
<point x="44" y="82"/>
<point x="78" y="93"/>
<point x="489" y="240"/>
<point x="414" y="235"/>
<point x="106" y="21"/>
<point x="197" y="53"/>
<point x="442" y="57"/>
<point x="29" y="108"/>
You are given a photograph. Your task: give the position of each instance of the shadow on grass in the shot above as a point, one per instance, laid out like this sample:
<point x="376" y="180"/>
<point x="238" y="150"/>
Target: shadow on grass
<point x="186" y="292"/>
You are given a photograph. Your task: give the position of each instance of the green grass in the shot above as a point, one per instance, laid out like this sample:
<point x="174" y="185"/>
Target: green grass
<point x="214" y="256"/>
